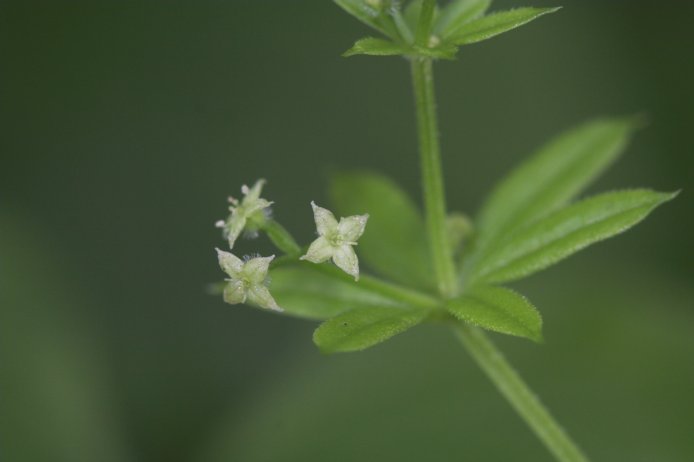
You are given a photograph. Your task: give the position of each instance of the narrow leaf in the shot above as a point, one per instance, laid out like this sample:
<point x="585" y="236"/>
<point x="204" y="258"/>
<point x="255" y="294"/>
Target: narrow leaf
<point x="498" y="309"/>
<point x="376" y="47"/>
<point x="370" y="13"/>
<point x="494" y="24"/>
<point x="364" y="327"/>
<point x="394" y="243"/>
<point x="552" y="177"/>
<point x="457" y="13"/>
<point x="565" y="232"/>
<point x="305" y="291"/>
<point x="412" y="11"/>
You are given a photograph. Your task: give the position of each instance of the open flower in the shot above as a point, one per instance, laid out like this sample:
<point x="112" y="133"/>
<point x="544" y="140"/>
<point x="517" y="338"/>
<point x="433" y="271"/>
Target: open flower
<point x="247" y="280"/>
<point x="335" y="240"/>
<point x="248" y="214"/>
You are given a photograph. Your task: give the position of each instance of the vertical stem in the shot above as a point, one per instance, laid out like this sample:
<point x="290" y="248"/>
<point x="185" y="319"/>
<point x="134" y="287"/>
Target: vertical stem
<point x="484" y="352"/>
<point x="523" y="400"/>
<point x="432" y="181"/>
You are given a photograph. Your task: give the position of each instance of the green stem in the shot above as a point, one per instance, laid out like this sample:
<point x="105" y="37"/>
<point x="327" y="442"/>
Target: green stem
<point x="279" y="236"/>
<point x="388" y="289"/>
<point x="487" y="356"/>
<point x="432" y="180"/>
<point x="523" y="400"/>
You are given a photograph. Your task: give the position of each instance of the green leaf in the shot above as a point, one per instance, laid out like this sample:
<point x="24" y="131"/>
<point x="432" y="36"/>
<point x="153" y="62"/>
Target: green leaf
<point x="364" y="327"/>
<point x="376" y="47"/>
<point x="498" y="309"/>
<point x="412" y="11"/>
<point x="394" y="243"/>
<point x="372" y="13"/>
<point x="565" y="232"/>
<point x="552" y="177"/>
<point x="494" y="24"/>
<point x="457" y="13"/>
<point x="308" y="291"/>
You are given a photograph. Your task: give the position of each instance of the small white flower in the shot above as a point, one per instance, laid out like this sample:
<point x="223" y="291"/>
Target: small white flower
<point x="247" y="280"/>
<point x="252" y="208"/>
<point x="335" y="240"/>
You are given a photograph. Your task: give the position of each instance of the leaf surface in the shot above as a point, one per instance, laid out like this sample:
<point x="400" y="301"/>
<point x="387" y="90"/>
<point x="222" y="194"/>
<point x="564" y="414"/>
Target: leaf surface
<point x="494" y="24"/>
<point x="306" y="291"/>
<point x="394" y="242"/>
<point x="552" y="177"/>
<point x="565" y="232"/>
<point x="498" y="309"/>
<point x="458" y="12"/>
<point x="364" y="327"/>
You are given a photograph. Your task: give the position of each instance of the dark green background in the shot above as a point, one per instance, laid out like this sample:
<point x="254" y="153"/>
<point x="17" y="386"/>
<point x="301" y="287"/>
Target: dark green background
<point x="126" y="124"/>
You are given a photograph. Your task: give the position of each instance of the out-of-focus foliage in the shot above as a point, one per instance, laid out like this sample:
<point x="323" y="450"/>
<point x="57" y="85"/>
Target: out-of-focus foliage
<point x="124" y="127"/>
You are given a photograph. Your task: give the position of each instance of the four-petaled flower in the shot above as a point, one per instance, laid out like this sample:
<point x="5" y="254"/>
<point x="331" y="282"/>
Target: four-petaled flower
<point x="335" y="240"/>
<point x="247" y="280"/>
<point x="252" y="208"/>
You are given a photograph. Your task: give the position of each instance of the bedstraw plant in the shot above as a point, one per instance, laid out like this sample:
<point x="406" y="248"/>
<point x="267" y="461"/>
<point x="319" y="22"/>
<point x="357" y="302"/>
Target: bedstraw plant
<point x="439" y="267"/>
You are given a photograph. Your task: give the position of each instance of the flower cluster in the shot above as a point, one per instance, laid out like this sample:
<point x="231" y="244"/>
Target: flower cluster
<point x="248" y="279"/>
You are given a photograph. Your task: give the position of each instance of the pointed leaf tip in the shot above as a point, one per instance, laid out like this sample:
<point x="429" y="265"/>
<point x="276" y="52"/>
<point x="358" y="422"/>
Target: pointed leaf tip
<point x="552" y="177"/>
<point x="496" y="23"/>
<point x="566" y="232"/>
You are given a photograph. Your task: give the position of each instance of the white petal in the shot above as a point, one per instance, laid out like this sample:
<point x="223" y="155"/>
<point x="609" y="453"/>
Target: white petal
<point x="255" y="269"/>
<point x="325" y="220"/>
<point x="253" y="193"/>
<point x="229" y="263"/>
<point x="260" y="296"/>
<point x="347" y="261"/>
<point x="351" y="228"/>
<point x="235" y="292"/>
<point x="319" y="251"/>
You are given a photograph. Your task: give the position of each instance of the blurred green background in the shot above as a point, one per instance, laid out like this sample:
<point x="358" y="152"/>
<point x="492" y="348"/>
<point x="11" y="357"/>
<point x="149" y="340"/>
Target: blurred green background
<point x="126" y="124"/>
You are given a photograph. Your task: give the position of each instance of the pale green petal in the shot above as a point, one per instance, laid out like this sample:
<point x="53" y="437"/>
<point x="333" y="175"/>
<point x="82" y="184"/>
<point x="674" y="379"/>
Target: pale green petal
<point x="255" y="269"/>
<point x="351" y="228"/>
<point x="347" y="261"/>
<point x="236" y="224"/>
<point x="253" y="206"/>
<point x="260" y="296"/>
<point x="235" y="292"/>
<point x="319" y="251"/>
<point x="325" y="220"/>
<point x="229" y="263"/>
<point x="252" y="194"/>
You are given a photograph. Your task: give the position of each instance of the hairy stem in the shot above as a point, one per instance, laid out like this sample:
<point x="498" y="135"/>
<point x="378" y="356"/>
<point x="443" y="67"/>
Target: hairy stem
<point x="432" y="179"/>
<point x="523" y="400"/>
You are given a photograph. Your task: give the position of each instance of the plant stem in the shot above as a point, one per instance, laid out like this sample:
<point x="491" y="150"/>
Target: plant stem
<point x="281" y="238"/>
<point x="484" y="352"/>
<point x="523" y="400"/>
<point x="432" y="181"/>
